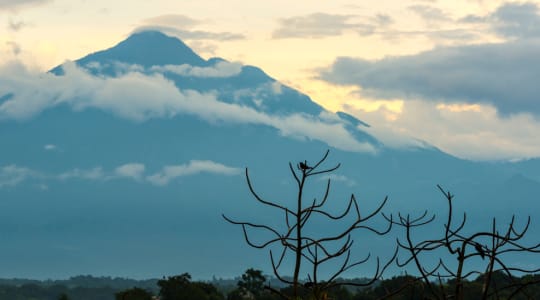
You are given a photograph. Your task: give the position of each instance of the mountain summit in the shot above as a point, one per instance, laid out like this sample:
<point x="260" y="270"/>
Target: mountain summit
<point x="149" y="48"/>
<point x="153" y="52"/>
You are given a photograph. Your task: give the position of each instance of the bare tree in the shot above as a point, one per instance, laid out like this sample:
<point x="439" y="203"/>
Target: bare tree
<point x="304" y="248"/>
<point x="490" y="246"/>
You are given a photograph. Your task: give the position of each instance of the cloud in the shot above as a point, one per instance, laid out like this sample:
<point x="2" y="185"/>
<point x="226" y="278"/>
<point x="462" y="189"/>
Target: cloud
<point x="131" y="170"/>
<point x="169" y="173"/>
<point x="517" y="20"/>
<point x="383" y="20"/>
<point x="338" y="178"/>
<point x="468" y="131"/>
<point x="204" y="47"/>
<point x="319" y="25"/>
<point x="90" y="174"/>
<point x="12" y="175"/>
<point x="511" y="20"/>
<point x="16" y="25"/>
<point x="15" y="48"/>
<point x="220" y="69"/>
<point x="50" y="147"/>
<point x="14" y="5"/>
<point x="184" y="27"/>
<point x="173" y="20"/>
<point x="195" y="34"/>
<point x="430" y="14"/>
<point x="443" y="36"/>
<point x="504" y="75"/>
<point x="128" y="96"/>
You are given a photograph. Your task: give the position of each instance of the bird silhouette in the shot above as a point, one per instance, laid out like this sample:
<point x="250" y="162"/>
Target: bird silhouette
<point x="304" y="166"/>
<point x="480" y="250"/>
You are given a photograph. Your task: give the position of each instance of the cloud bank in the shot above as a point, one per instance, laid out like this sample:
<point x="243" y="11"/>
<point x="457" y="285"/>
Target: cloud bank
<point x="504" y="75"/>
<point x="138" y="97"/>
<point x="468" y="131"/>
<point x="511" y="20"/>
<point x="219" y="70"/>
<point x="169" y="173"/>
<point x="319" y="25"/>
<point x="13" y="175"/>
<point x="132" y="170"/>
<point x="480" y="101"/>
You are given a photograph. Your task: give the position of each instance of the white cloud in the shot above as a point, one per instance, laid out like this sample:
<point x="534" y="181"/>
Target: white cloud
<point x="131" y="170"/>
<point x="220" y="69"/>
<point x="12" y="175"/>
<point x="90" y="174"/>
<point x="339" y="178"/>
<point x="42" y="187"/>
<point x="474" y="132"/>
<point x="49" y="147"/>
<point x="169" y="173"/>
<point x="139" y="97"/>
<point x="277" y="87"/>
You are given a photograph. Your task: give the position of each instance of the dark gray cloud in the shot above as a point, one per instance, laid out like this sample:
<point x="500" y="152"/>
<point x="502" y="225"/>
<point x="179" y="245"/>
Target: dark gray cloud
<point x="320" y="25"/>
<point x="505" y="75"/>
<point x="517" y="20"/>
<point x="511" y="20"/>
<point x="12" y="5"/>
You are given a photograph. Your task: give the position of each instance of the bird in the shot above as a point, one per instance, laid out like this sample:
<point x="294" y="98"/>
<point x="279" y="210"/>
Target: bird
<point x="480" y="250"/>
<point x="303" y="166"/>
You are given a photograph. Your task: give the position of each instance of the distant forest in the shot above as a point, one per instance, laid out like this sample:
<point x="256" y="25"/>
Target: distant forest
<point x="250" y="286"/>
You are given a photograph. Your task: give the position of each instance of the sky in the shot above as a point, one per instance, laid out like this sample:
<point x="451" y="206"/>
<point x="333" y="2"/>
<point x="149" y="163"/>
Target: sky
<point x="461" y="75"/>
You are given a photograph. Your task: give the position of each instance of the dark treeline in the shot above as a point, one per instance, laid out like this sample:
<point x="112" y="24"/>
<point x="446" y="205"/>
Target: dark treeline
<point x="86" y="281"/>
<point x="84" y="287"/>
<point x="251" y="286"/>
